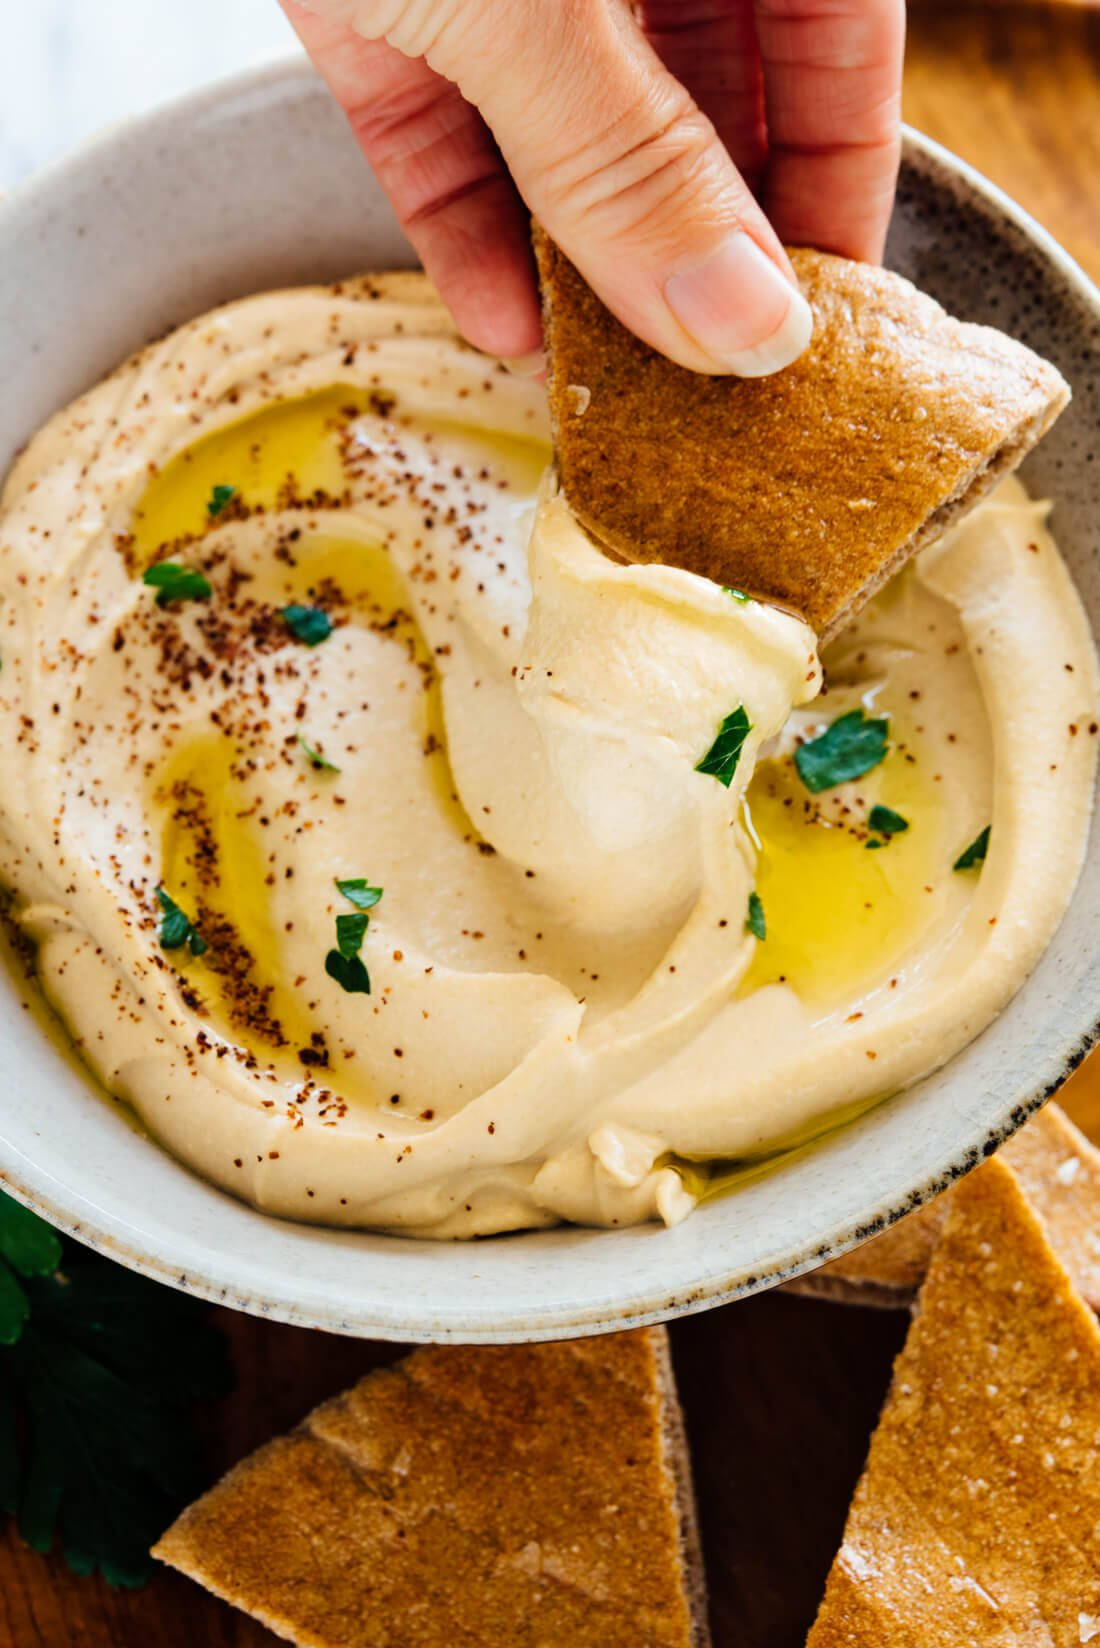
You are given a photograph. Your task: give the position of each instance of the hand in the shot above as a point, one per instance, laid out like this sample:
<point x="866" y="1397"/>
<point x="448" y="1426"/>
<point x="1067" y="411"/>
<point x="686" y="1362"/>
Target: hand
<point x="642" y="136"/>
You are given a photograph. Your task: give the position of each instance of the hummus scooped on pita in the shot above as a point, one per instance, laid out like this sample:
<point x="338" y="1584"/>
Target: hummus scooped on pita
<point x="405" y="860"/>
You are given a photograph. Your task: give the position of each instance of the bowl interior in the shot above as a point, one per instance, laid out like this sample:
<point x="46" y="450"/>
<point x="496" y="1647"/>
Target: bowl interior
<point x="257" y="184"/>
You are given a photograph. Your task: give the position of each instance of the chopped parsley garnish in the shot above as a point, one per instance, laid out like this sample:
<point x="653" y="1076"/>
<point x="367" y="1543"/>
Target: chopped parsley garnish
<point x="219" y="497"/>
<point x="886" y="821"/>
<point x="738" y="594"/>
<point x="177" y="929"/>
<point x="358" y="892"/>
<point x="847" y="749"/>
<point x="349" y="972"/>
<point x="310" y="624"/>
<point x="722" y="757"/>
<point x="100" y="1371"/>
<point x="315" y="758"/>
<point x="975" y="853"/>
<point x="345" y="964"/>
<point x="350" y="931"/>
<point x="754" y="920"/>
<point x="873" y="845"/>
<point x="173" y="582"/>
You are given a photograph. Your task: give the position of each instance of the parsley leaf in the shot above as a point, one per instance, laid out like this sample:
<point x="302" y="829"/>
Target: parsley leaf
<point x="357" y="892"/>
<point x="975" y="853"/>
<point x="173" y="582"/>
<point x="344" y="964"/>
<point x="97" y="1381"/>
<point x="848" y="748"/>
<point x="754" y="920"/>
<point x="30" y="1247"/>
<point x="316" y="759"/>
<point x="310" y="624"/>
<point x="722" y="757"/>
<point x="219" y="497"/>
<point x="886" y="821"/>
<point x="738" y="594"/>
<point x="350" y="932"/>
<point x="177" y="929"/>
<point x="349" y="972"/>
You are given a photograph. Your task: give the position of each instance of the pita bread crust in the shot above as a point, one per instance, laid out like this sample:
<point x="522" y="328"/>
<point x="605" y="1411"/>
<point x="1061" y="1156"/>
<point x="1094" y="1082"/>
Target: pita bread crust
<point x="532" y="1495"/>
<point x="1060" y="1172"/>
<point x="810" y="487"/>
<point x="977" y="1519"/>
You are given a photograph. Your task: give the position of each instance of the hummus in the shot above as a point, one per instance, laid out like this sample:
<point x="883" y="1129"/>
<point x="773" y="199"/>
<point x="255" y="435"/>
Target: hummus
<point x="395" y="662"/>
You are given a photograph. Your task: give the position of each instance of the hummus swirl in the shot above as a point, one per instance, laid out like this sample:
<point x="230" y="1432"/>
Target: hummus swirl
<point x="570" y="1015"/>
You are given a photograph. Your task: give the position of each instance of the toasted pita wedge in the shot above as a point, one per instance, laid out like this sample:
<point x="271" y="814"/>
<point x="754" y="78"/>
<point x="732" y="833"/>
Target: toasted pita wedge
<point x="528" y="1495"/>
<point x="1060" y="1172"/>
<point x="977" y="1519"/>
<point x="808" y="488"/>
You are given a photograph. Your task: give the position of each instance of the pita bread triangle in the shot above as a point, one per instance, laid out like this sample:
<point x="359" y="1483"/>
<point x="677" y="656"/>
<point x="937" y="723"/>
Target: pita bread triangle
<point x="976" y="1523"/>
<point x="808" y="488"/>
<point x="1059" y="1170"/>
<point x="528" y="1495"/>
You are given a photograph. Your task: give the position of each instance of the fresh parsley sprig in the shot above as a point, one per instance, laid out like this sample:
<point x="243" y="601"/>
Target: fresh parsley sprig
<point x="309" y="624"/>
<point x="173" y="582"/>
<point x="850" y="747"/>
<point x="177" y="929"/>
<point x="99" y="1370"/>
<point x="345" y="964"/>
<point x="972" y="856"/>
<point x="724" y="754"/>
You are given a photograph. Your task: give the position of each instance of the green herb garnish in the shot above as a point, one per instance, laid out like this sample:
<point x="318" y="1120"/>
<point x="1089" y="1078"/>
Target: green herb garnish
<point x="872" y="846"/>
<point x="754" y="920"/>
<point x="177" y="929"/>
<point x="847" y="749"/>
<point x="349" y="972"/>
<point x="886" y="821"/>
<point x="975" y="853"/>
<point x="350" y="932"/>
<point x="316" y="759"/>
<point x="722" y="757"/>
<point x="345" y="964"/>
<point x="99" y="1372"/>
<point x="310" y="624"/>
<point x="173" y="582"/>
<point x="357" y="892"/>
<point x="219" y="497"/>
<point x="738" y="594"/>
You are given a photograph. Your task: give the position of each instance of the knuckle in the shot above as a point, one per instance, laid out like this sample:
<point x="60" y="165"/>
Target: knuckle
<point x="640" y="174"/>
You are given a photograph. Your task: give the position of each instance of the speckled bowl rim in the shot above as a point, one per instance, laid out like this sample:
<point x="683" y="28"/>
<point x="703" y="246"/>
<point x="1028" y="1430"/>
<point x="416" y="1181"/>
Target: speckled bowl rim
<point x="216" y="1283"/>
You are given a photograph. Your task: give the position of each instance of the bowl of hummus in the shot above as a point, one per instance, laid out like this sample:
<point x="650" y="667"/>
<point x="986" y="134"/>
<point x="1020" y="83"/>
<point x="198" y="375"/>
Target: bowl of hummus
<point x="366" y="885"/>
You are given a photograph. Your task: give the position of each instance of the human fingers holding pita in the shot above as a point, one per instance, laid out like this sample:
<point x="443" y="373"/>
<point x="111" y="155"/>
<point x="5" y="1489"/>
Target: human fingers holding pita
<point x="669" y="147"/>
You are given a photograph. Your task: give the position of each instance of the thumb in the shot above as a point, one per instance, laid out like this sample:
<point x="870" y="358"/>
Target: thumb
<point x="613" y="156"/>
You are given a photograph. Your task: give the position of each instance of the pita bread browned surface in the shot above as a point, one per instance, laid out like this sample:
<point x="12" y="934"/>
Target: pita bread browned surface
<point x="528" y="1495"/>
<point x="810" y="487"/>
<point x="977" y="1519"/>
<point x="1060" y="1172"/>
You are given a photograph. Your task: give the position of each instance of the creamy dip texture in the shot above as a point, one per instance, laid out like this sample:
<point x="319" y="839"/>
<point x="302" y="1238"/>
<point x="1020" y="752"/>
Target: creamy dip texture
<point x="404" y="667"/>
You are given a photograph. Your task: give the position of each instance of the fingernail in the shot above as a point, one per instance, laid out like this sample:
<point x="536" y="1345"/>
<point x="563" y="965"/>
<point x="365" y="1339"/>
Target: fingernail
<point x="741" y="309"/>
<point x="526" y="366"/>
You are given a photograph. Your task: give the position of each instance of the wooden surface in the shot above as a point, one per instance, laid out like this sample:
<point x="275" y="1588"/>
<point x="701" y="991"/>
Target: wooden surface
<point x="780" y="1393"/>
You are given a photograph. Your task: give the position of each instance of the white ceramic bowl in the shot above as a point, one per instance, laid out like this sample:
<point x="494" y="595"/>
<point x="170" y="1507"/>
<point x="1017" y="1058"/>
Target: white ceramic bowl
<point x="257" y="183"/>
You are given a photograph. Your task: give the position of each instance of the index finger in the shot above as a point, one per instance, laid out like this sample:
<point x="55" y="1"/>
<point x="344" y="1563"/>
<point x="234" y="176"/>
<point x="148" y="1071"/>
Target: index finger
<point x="832" y="89"/>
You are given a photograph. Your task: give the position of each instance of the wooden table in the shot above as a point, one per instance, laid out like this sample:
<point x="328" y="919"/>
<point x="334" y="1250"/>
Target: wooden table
<point x="781" y="1393"/>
